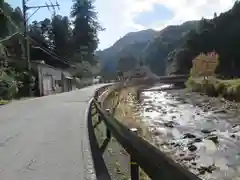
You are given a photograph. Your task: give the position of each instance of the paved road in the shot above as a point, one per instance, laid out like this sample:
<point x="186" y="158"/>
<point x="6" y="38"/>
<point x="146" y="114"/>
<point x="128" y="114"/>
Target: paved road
<point x="46" y="138"/>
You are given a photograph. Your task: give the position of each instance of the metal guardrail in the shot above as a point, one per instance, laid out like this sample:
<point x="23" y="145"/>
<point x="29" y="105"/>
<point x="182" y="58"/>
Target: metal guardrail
<point x="152" y="161"/>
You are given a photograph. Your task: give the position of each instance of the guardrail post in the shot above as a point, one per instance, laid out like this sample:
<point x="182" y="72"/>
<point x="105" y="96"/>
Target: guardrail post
<point x="108" y="132"/>
<point x="133" y="165"/>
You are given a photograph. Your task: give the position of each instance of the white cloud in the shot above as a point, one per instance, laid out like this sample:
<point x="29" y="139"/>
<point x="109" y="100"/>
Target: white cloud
<point x="117" y="15"/>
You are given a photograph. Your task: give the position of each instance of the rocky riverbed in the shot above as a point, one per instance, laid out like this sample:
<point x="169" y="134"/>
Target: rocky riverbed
<point x="197" y="131"/>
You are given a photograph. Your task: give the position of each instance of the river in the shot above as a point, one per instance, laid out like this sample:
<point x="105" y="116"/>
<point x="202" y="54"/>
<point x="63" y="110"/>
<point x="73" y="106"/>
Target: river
<point x="199" y="132"/>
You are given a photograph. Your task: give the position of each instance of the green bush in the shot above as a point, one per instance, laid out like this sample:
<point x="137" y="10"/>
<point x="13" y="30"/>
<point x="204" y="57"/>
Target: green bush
<point x="193" y="85"/>
<point x="8" y="86"/>
<point x="229" y="89"/>
<point x="220" y="87"/>
<point x="3" y="102"/>
<point x="208" y="87"/>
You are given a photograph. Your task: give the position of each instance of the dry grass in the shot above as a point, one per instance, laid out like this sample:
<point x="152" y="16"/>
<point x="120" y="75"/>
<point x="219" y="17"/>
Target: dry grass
<point x="229" y="89"/>
<point x="3" y="102"/>
<point x="126" y="111"/>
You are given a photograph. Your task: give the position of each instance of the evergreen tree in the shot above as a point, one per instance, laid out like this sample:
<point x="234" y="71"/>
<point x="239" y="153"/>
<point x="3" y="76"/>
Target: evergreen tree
<point x="86" y="27"/>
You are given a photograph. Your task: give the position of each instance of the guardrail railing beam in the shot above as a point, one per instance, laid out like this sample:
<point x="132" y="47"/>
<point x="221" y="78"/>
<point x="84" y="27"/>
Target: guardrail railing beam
<point x="134" y="167"/>
<point x="156" y="164"/>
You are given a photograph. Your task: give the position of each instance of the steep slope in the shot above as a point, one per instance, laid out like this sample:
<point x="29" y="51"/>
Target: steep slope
<point x="220" y="34"/>
<point x="151" y="47"/>
<point x="169" y="38"/>
<point x="132" y="43"/>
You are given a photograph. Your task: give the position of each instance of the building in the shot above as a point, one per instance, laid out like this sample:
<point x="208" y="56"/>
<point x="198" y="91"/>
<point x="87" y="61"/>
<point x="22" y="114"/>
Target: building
<point x="51" y="80"/>
<point x="205" y="64"/>
<point x="51" y="72"/>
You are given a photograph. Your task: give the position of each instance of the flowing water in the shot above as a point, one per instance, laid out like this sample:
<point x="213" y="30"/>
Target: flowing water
<point x="204" y="141"/>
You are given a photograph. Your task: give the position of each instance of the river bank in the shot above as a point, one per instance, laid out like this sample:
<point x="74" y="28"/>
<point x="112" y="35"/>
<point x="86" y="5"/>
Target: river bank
<point x="229" y="89"/>
<point x="195" y="130"/>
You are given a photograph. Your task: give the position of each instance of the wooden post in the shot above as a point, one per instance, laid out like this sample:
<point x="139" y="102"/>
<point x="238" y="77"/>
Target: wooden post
<point x="108" y="132"/>
<point x="133" y="165"/>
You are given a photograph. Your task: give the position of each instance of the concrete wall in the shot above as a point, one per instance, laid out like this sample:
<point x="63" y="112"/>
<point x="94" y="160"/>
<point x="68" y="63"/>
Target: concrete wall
<point x="50" y="79"/>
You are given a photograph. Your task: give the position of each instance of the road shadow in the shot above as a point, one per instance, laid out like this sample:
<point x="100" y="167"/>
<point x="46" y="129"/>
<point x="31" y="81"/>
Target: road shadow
<point x="104" y="145"/>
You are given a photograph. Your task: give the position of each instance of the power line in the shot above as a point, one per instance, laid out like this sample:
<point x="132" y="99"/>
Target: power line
<point x="47" y="51"/>
<point x="27" y="49"/>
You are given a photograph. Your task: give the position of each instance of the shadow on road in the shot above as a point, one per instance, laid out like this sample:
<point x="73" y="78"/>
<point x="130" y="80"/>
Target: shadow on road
<point x="104" y="145"/>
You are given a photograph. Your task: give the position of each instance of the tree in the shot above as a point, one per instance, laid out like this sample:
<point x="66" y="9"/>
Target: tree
<point x="86" y="27"/>
<point x="3" y="21"/>
<point x="60" y="35"/>
<point x="39" y="32"/>
<point x="220" y="34"/>
<point x="57" y="36"/>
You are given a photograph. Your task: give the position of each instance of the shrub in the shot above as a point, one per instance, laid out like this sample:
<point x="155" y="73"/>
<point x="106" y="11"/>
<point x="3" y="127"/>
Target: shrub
<point x="220" y="87"/>
<point x="8" y="86"/>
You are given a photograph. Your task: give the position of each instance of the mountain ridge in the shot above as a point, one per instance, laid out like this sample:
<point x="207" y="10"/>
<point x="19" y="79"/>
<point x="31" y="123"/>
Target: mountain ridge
<point x="136" y="44"/>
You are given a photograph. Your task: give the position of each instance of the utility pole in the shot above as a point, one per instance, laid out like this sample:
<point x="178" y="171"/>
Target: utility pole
<point x="26" y="41"/>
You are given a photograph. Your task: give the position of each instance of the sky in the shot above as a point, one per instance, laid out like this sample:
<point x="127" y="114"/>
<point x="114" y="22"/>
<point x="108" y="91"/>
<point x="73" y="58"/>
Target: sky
<point x="119" y="17"/>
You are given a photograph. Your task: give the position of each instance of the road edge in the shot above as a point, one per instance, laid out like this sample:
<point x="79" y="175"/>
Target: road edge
<point x="89" y="170"/>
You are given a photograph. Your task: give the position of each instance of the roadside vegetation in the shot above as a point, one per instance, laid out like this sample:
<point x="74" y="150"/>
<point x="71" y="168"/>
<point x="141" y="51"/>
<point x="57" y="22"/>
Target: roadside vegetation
<point x="203" y="78"/>
<point x="127" y="112"/>
<point x="229" y="89"/>
<point x="59" y="37"/>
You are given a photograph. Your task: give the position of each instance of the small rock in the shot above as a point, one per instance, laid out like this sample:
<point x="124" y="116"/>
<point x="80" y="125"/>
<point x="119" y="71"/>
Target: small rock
<point x="235" y="125"/>
<point x="233" y="136"/>
<point x="221" y="111"/>
<point x="156" y="133"/>
<point x="201" y="171"/>
<point x="177" y="145"/>
<point x="181" y="154"/>
<point x="197" y="140"/>
<point x="205" y="131"/>
<point x="208" y="169"/>
<point x="149" y="110"/>
<point x="189" y="135"/>
<point x="194" y="163"/>
<point x="214" y="138"/>
<point x="205" y="110"/>
<point x="169" y="124"/>
<point x="192" y="148"/>
<point x="188" y="158"/>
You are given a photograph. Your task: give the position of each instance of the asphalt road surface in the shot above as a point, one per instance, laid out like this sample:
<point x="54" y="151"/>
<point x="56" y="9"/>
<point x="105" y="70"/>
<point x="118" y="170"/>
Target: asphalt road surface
<point x="46" y="138"/>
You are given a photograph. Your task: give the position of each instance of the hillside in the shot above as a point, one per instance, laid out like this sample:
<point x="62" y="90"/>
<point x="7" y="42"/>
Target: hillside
<point x="169" y="38"/>
<point x="151" y="47"/>
<point x="220" y="34"/>
<point x="172" y="50"/>
<point x="133" y="42"/>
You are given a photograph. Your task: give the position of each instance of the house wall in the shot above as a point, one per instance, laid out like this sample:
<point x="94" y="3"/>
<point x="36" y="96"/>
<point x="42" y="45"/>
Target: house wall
<point x="50" y="80"/>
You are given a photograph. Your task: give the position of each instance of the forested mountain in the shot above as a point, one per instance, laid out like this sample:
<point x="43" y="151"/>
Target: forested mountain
<point x="148" y="46"/>
<point x="132" y="43"/>
<point x="172" y="50"/>
<point x="220" y="34"/>
<point x="168" y="39"/>
<point x="56" y="40"/>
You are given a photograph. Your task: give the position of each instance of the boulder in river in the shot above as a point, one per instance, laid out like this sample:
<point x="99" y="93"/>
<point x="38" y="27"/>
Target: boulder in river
<point x="197" y="140"/>
<point x="222" y="111"/>
<point x="192" y="147"/>
<point x="189" y="135"/>
<point x="169" y="124"/>
<point x="214" y="138"/>
<point x="206" y="131"/>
